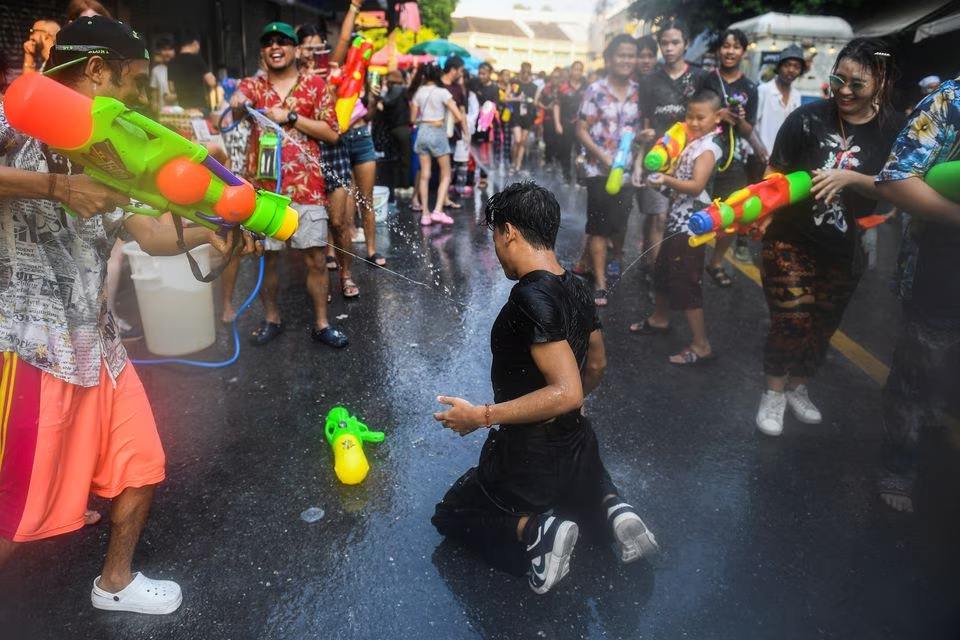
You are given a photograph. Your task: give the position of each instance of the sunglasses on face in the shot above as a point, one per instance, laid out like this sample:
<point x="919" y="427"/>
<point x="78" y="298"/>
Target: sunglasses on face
<point x="854" y="85"/>
<point x="277" y="40"/>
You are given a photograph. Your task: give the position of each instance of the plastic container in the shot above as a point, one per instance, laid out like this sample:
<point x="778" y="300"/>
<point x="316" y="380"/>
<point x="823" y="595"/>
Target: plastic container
<point x="176" y="309"/>
<point x="381" y="203"/>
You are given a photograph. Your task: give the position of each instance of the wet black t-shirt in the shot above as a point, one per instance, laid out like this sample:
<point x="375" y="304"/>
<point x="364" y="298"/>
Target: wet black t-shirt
<point x="744" y="92"/>
<point x="524" y="111"/>
<point x="664" y="100"/>
<point x="542" y="308"/>
<point x="809" y="139"/>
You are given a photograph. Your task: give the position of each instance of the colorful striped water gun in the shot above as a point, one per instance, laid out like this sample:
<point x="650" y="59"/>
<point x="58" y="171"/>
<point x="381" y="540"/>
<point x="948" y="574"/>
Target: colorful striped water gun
<point x="349" y="81"/>
<point x="346" y="435"/>
<point x="619" y="165"/>
<point x="663" y="156"/>
<point x="143" y="159"/>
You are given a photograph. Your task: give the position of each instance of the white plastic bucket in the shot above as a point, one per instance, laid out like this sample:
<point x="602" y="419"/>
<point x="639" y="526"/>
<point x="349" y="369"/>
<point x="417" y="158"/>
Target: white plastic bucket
<point x="381" y="203"/>
<point x="176" y="309"/>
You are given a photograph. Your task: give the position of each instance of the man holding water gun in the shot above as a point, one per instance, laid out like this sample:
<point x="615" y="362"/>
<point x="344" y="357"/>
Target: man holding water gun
<point x="77" y="417"/>
<point x="301" y="105"/>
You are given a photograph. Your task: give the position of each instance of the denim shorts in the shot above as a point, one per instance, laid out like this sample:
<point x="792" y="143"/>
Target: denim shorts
<point x="359" y="144"/>
<point x="432" y="140"/>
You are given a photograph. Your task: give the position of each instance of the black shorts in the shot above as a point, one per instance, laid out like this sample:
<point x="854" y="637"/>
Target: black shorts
<point x="678" y="273"/>
<point x="606" y="214"/>
<point x="733" y="179"/>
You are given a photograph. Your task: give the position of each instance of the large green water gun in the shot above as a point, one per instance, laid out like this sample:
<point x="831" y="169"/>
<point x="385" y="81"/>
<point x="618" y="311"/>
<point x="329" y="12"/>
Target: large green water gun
<point x="346" y="435"/>
<point x="143" y="159"/>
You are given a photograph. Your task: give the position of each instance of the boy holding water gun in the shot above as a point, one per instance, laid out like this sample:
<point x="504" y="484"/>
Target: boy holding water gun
<point x="76" y="416"/>
<point x="677" y="279"/>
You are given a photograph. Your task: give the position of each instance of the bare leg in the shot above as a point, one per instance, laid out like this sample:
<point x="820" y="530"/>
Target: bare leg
<point x="228" y="280"/>
<point x="598" y="260"/>
<point x="661" y="311"/>
<point x="318" y="283"/>
<point x="340" y="229"/>
<point x="652" y="237"/>
<point x="128" y="516"/>
<point x="424" y="186"/>
<point x="444" y="185"/>
<point x="776" y="383"/>
<point x="698" y="327"/>
<point x="270" y="287"/>
<point x="364" y="176"/>
<point x="724" y="240"/>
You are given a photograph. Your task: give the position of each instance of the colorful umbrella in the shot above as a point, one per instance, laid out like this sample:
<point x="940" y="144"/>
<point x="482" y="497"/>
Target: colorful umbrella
<point x="439" y="47"/>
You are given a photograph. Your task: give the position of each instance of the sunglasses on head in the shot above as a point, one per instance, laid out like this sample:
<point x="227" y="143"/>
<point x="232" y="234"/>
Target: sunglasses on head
<point x="854" y="85"/>
<point x="282" y="41"/>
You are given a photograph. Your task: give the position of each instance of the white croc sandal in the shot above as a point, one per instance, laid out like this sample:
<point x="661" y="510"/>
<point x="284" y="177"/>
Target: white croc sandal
<point x="143" y="595"/>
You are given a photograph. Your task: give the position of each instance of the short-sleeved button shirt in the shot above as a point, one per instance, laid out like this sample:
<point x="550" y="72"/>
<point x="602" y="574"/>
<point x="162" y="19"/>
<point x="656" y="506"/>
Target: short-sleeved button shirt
<point x="607" y="117"/>
<point x="301" y="175"/>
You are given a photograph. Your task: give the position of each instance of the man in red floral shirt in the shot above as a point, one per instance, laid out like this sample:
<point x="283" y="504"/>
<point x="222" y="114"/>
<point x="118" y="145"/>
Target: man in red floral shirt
<point x="304" y="109"/>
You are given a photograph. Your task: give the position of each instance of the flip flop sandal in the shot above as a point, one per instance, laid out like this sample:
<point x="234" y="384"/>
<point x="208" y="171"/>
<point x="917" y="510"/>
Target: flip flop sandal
<point x="690" y="357"/>
<point x="452" y="205"/>
<point x="349" y="288"/>
<point x="646" y="329"/>
<point x="376" y="259"/>
<point x="143" y="595"/>
<point x="719" y="277"/>
<point x="332" y="263"/>
<point x="600" y="297"/>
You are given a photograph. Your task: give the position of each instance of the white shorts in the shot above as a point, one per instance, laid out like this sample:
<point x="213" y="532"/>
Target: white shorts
<point x="311" y="229"/>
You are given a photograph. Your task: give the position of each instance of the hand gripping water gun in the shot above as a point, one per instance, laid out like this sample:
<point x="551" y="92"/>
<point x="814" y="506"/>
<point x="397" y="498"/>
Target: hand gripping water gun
<point x="663" y="156"/>
<point x="615" y="178"/>
<point x="349" y="81"/>
<point x="143" y="159"/>
<point x="346" y="435"/>
<point x="746" y="206"/>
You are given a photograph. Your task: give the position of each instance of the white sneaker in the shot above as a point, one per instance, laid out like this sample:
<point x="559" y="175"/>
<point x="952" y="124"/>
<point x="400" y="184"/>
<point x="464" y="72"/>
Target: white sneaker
<point x="804" y="410"/>
<point x="633" y="539"/>
<point x="773" y="404"/>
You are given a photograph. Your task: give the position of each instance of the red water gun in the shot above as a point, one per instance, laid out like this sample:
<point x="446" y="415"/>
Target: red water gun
<point x="349" y="81"/>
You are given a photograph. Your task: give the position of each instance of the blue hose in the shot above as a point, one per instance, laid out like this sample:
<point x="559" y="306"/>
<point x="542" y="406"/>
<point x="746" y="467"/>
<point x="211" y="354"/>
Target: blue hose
<point x="253" y="294"/>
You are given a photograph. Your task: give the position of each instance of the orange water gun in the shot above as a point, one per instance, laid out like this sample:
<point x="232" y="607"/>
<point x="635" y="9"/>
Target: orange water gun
<point x="349" y="81"/>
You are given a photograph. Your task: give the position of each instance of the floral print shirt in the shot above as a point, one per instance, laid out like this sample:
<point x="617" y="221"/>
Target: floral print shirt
<point x="301" y="176"/>
<point x="606" y="117"/>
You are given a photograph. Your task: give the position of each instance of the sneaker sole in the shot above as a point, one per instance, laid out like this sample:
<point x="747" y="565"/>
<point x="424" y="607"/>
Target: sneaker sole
<point x="559" y="566"/>
<point x="764" y="430"/>
<point x="108" y="605"/>
<point x="803" y="419"/>
<point x="634" y="539"/>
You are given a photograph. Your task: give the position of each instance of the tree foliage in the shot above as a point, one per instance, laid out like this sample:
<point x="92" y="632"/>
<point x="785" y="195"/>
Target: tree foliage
<point x="436" y="15"/>
<point x="717" y="14"/>
<point x="405" y="39"/>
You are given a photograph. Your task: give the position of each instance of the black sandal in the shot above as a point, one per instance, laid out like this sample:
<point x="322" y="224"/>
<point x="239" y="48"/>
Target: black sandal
<point x="331" y="263"/>
<point x="646" y="329"/>
<point x="266" y="332"/>
<point x="377" y="260"/>
<point x="719" y="277"/>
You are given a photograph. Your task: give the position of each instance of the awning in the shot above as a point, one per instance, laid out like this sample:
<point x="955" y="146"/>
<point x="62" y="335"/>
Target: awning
<point x="939" y="27"/>
<point x="898" y="19"/>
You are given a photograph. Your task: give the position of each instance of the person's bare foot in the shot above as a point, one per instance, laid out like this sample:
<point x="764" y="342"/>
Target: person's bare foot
<point x="229" y="315"/>
<point x="90" y="517"/>
<point x="897" y="502"/>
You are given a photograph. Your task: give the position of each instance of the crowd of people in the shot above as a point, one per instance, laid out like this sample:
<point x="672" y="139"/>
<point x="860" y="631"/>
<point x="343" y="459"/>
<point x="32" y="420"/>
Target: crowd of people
<point x="540" y="476"/>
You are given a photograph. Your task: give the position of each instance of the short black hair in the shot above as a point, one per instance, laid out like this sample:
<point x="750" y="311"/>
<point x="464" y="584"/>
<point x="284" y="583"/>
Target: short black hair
<point x="530" y="208"/>
<point x="485" y="65"/>
<point x="707" y="96"/>
<point x="619" y="39"/>
<point x="647" y="42"/>
<point x="736" y="34"/>
<point x="453" y="62"/>
<point x="674" y="23"/>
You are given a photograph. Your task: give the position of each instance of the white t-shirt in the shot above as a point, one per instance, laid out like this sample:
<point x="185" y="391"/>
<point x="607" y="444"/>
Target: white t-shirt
<point x="771" y="111"/>
<point x="431" y="102"/>
<point x="158" y="81"/>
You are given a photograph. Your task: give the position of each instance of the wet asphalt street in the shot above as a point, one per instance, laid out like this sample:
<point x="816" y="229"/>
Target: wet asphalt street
<point x="762" y="538"/>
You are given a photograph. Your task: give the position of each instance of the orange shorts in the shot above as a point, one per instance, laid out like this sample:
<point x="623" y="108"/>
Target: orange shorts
<point x="60" y="441"/>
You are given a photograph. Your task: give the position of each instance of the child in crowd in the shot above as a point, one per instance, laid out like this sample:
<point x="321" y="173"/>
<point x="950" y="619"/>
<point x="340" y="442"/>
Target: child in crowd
<point x="677" y="279"/>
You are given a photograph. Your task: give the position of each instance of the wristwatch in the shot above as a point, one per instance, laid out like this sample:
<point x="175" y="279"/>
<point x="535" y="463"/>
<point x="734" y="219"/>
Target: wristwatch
<point x="292" y="118"/>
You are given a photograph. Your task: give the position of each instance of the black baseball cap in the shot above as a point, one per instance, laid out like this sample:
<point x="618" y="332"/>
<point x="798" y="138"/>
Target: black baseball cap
<point x="97" y="36"/>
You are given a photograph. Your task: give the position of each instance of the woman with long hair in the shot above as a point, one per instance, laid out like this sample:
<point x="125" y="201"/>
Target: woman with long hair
<point x="812" y="259"/>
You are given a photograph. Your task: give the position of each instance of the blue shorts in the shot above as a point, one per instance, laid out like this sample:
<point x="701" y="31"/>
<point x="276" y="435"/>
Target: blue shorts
<point x="359" y="144"/>
<point x="432" y="141"/>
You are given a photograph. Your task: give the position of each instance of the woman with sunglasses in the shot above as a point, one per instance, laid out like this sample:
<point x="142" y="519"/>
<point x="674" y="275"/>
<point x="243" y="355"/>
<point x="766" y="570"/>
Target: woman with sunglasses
<point x="812" y="259"/>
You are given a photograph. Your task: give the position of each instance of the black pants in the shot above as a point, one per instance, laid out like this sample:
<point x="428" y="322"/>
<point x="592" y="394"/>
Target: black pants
<point x="565" y="149"/>
<point x="921" y="390"/>
<point x="525" y="471"/>
<point x="402" y="139"/>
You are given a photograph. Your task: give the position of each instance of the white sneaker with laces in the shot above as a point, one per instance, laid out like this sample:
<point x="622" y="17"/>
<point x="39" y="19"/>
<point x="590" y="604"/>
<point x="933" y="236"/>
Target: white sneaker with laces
<point x="773" y="404"/>
<point x="799" y="401"/>
<point x="633" y="539"/>
<point x="550" y="552"/>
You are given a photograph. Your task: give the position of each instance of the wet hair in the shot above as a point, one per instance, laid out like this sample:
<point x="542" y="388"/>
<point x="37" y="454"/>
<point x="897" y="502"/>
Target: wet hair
<point x="531" y="209"/>
<point x="72" y="75"/>
<point x="707" y="96"/>
<point x="307" y="30"/>
<point x="674" y="23"/>
<point x="736" y="34"/>
<point x="647" y="42"/>
<point x="619" y="39"/>
<point x="453" y="62"/>
<point x="873" y="54"/>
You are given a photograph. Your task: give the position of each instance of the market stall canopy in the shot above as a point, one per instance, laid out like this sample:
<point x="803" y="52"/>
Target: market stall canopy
<point x="439" y="47"/>
<point x="795" y="26"/>
<point x="897" y="19"/>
